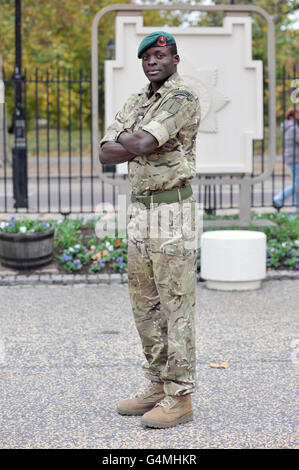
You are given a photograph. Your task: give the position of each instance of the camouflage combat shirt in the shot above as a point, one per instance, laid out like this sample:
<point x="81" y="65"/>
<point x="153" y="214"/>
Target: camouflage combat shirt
<point x="172" y="112"/>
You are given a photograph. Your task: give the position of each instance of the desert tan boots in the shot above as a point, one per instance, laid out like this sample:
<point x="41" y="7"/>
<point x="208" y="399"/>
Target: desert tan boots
<point x="142" y="402"/>
<point x="169" y="412"/>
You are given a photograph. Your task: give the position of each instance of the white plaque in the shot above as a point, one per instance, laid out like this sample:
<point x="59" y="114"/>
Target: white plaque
<point x="217" y="63"/>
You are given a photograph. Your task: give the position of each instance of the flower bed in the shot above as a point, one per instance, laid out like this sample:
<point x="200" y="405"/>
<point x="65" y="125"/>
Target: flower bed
<point x="78" y="249"/>
<point x="24" y="226"/>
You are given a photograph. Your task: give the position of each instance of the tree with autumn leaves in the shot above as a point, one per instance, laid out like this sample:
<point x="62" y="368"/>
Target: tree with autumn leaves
<point x="57" y="34"/>
<point x="54" y="34"/>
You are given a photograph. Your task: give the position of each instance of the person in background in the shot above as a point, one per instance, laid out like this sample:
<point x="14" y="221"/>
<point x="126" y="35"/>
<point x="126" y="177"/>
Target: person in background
<point x="290" y="130"/>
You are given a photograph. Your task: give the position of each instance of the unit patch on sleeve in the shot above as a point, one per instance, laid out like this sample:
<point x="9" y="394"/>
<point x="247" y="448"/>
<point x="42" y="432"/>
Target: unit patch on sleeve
<point x="184" y="94"/>
<point x="180" y="97"/>
<point x="172" y="105"/>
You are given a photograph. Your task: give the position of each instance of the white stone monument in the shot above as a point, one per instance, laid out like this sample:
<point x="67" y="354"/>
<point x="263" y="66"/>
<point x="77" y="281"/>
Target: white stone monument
<point x="217" y="63"/>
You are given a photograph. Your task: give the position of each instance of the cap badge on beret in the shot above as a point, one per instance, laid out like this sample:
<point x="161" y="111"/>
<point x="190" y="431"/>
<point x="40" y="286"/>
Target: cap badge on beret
<point x="161" y="41"/>
<point x="155" y="39"/>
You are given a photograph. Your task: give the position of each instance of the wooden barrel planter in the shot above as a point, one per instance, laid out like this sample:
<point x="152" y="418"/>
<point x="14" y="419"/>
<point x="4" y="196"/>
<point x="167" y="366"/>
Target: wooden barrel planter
<point x="21" y="251"/>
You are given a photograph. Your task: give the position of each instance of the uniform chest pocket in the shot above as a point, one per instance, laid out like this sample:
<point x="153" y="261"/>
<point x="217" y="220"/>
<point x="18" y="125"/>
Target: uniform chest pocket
<point x="129" y="123"/>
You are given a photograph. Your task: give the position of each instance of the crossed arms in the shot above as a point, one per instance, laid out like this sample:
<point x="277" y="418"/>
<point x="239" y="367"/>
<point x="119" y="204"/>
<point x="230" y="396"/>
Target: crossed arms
<point x="129" y="145"/>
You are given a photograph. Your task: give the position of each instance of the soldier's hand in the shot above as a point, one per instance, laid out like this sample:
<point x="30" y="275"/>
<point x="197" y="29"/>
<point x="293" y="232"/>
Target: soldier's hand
<point x="169" y="146"/>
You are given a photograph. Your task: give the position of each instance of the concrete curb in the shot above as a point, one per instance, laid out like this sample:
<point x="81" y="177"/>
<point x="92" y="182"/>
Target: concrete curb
<point x="115" y="278"/>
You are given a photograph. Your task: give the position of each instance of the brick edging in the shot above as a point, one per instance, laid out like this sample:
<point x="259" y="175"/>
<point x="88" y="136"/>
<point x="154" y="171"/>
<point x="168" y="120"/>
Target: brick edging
<point x="115" y="278"/>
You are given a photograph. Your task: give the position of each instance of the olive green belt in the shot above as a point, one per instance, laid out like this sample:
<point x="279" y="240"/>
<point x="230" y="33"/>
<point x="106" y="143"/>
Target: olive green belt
<point x="172" y="195"/>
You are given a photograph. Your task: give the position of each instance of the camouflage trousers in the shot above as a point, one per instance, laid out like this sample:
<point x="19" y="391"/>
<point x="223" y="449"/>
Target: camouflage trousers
<point x="162" y="266"/>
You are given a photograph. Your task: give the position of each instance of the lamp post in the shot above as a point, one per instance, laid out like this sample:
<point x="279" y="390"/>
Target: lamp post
<point x="19" y="151"/>
<point x="110" y="50"/>
<point x="110" y="54"/>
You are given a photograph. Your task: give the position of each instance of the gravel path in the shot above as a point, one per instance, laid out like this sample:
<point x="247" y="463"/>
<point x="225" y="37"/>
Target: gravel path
<point x="68" y="353"/>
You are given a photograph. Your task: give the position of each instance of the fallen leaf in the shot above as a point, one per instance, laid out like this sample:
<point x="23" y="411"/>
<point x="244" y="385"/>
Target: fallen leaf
<point x="223" y="365"/>
<point x="118" y="243"/>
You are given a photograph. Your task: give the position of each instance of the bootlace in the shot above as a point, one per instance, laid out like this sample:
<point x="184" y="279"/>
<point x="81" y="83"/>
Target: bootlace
<point x="167" y="401"/>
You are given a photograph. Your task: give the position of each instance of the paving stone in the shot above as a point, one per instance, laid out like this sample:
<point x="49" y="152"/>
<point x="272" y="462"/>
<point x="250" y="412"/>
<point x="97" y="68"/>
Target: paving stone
<point x="33" y="279"/>
<point x="116" y="278"/>
<point x="45" y="278"/>
<point x="282" y="274"/>
<point x="21" y="279"/>
<point x="92" y="279"/>
<point x="67" y="278"/>
<point x="104" y="278"/>
<point x="57" y="278"/>
<point x="9" y="278"/>
<point x="80" y="278"/>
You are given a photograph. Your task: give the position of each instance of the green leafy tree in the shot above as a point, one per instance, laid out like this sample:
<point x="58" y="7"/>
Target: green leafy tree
<point x="55" y="34"/>
<point x="287" y="40"/>
<point x="286" y="36"/>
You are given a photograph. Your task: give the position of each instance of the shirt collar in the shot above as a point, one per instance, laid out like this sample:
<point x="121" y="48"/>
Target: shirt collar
<point x="164" y="88"/>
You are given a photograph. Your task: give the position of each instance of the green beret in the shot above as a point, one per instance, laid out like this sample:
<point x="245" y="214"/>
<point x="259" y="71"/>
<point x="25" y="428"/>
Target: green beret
<point x="156" y="39"/>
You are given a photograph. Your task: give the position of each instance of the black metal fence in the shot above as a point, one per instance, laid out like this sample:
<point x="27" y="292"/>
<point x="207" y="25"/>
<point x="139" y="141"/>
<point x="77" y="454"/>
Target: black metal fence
<point x="62" y="177"/>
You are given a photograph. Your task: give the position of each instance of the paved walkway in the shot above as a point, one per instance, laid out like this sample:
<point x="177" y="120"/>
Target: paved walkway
<point x="68" y="353"/>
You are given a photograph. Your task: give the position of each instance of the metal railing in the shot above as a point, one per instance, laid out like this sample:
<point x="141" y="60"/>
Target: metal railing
<point x="62" y="176"/>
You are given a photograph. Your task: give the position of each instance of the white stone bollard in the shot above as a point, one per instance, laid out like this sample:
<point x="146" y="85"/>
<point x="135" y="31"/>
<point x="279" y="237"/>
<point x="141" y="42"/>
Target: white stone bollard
<point x="233" y="259"/>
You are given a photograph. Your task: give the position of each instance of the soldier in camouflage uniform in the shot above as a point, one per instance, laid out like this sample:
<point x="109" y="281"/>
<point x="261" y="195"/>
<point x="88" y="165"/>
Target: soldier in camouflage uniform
<point x="156" y="133"/>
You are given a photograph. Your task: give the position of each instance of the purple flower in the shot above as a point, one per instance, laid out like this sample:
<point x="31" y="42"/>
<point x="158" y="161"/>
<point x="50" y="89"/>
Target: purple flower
<point x="12" y="217"/>
<point x="100" y="261"/>
<point x="37" y="218"/>
<point x="66" y="257"/>
<point x="76" y="262"/>
<point x="297" y="266"/>
<point x="119" y="259"/>
<point x="45" y="224"/>
<point x="267" y="255"/>
<point x="122" y="266"/>
<point x="291" y="251"/>
<point x="10" y="224"/>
